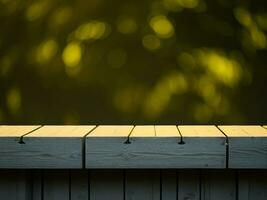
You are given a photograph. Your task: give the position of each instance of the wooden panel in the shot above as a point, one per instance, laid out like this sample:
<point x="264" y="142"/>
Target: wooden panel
<point x="189" y="184"/>
<point x="8" y="131"/>
<point x="56" y="185"/>
<point x="218" y="184"/>
<point x="252" y="185"/>
<point x="142" y="185"/>
<point x="79" y="184"/>
<point x="36" y="184"/>
<point x="14" y="185"/>
<point x="106" y="184"/>
<point x="106" y="148"/>
<point x="169" y="184"/>
<point x="155" y="147"/>
<point x="204" y="147"/>
<point x="247" y="146"/>
<point x="46" y="147"/>
<point x="9" y="147"/>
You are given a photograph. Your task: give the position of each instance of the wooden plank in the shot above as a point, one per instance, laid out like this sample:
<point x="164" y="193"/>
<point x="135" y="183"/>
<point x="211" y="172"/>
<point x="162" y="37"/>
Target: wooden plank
<point x="252" y="185"/>
<point x="204" y="147"/>
<point x="142" y="185"/>
<point x="9" y="147"/>
<point x="189" y="184"/>
<point x="153" y="147"/>
<point x="46" y="147"/>
<point x="79" y="184"/>
<point x="56" y="185"/>
<point x="36" y="181"/>
<point x="247" y="146"/>
<point x="14" y="185"/>
<point x="15" y="131"/>
<point x="169" y="184"/>
<point x="106" y="184"/>
<point x="218" y="184"/>
<point x="106" y="148"/>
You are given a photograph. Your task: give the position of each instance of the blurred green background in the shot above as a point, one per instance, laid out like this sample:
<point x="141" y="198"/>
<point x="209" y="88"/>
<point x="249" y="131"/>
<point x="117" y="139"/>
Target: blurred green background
<point x="133" y="62"/>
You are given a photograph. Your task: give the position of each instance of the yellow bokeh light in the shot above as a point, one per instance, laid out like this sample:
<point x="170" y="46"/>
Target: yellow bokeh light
<point x="151" y="42"/>
<point x="162" y="26"/>
<point x="72" y="54"/>
<point x="46" y="51"/>
<point x="126" y="25"/>
<point x="222" y="68"/>
<point x="186" y="60"/>
<point x="258" y="37"/>
<point x="61" y="16"/>
<point x="13" y="100"/>
<point x="243" y="16"/>
<point x="158" y="99"/>
<point x="37" y="10"/>
<point x="178" y="5"/>
<point x="92" y="30"/>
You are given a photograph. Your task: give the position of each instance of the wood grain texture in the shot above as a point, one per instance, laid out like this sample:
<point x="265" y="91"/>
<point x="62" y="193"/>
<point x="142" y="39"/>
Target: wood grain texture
<point x="252" y="185"/>
<point x="15" y="131"/>
<point x="46" y="147"/>
<point x="155" y="147"/>
<point x="204" y="147"/>
<point x="106" y="184"/>
<point x="106" y="148"/>
<point x="142" y="185"/>
<point x="247" y="146"/>
<point x="218" y="184"/>
<point x="188" y="184"/>
<point x="56" y="185"/>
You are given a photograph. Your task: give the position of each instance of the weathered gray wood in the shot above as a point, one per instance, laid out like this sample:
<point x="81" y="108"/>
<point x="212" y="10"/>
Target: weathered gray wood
<point x="189" y="184"/>
<point x="252" y="185"/>
<point x="169" y="184"/>
<point x="79" y="184"/>
<point x="56" y="185"/>
<point x="142" y="185"/>
<point x="106" y="184"/>
<point x="204" y="147"/>
<point x="247" y="146"/>
<point x="106" y="148"/>
<point x="36" y="181"/>
<point x="46" y="147"/>
<point x="218" y="184"/>
<point x="14" y="185"/>
<point x="9" y="146"/>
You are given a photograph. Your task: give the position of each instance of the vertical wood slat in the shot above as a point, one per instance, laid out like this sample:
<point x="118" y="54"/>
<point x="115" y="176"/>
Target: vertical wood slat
<point x="169" y="184"/>
<point x="36" y="178"/>
<point x="252" y="185"/>
<point x="189" y="184"/>
<point x="106" y="184"/>
<point x="218" y="184"/>
<point x="14" y="185"/>
<point x="56" y="185"/>
<point x="79" y="185"/>
<point x="142" y="185"/>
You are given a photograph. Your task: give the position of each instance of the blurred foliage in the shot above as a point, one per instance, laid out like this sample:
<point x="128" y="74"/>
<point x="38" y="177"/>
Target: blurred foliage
<point x="141" y="62"/>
